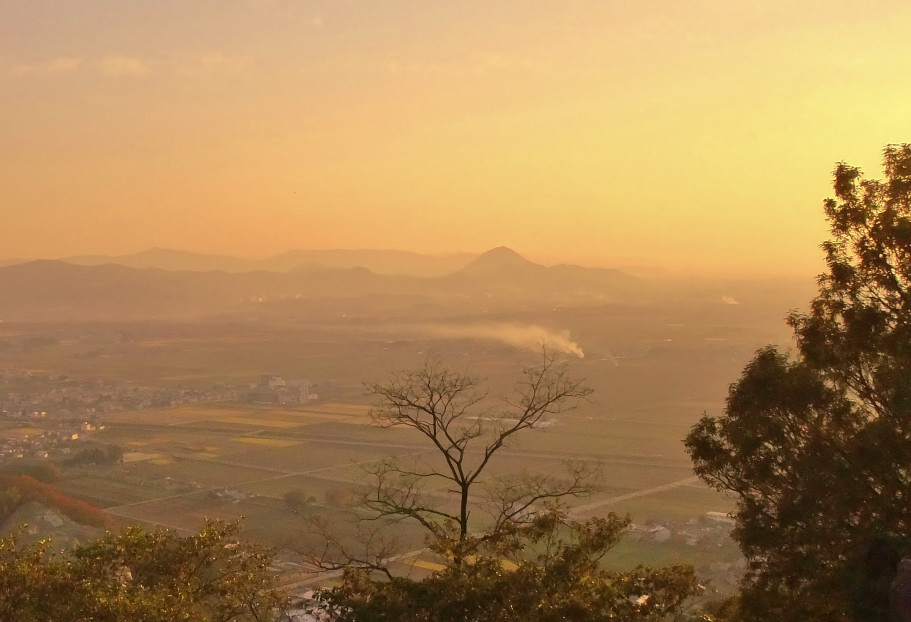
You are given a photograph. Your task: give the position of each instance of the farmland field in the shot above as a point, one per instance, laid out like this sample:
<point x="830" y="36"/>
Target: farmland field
<point x="654" y="371"/>
<point x="178" y="471"/>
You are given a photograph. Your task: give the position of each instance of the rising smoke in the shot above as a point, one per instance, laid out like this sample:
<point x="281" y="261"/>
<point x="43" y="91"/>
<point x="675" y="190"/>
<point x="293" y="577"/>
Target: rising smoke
<point x="526" y="336"/>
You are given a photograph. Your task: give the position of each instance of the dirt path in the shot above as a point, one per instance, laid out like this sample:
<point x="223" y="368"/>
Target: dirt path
<point x="588" y="507"/>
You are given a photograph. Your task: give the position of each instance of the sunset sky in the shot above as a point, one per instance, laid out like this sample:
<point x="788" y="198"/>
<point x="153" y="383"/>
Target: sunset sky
<point x="681" y="133"/>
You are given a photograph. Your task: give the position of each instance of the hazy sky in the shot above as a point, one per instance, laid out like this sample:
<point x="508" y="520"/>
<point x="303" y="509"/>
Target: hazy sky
<point x="682" y="132"/>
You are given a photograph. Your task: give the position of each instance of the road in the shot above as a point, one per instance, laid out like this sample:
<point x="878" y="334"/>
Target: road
<point x="588" y="507"/>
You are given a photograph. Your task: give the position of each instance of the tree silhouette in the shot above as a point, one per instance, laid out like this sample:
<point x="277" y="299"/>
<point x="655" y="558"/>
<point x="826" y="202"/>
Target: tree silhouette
<point x="817" y="448"/>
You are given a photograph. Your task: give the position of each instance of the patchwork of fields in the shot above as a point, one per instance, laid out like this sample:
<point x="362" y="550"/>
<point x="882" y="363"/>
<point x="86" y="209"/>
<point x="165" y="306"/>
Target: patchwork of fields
<point x="654" y="371"/>
<point x="188" y="463"/>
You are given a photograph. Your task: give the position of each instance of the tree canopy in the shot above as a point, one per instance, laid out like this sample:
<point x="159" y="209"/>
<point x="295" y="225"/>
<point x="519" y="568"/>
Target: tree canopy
<point x="556" y="575"/>
<point x="816" y="445"/>
<point x="140" y="575"/>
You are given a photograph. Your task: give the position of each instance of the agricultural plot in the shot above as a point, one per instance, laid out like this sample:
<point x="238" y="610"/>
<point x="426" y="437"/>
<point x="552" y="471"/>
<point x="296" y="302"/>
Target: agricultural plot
<point x="170" y="449"/>
<point x="265" y="442"/>
<point x="183" y="511"/>
<point x="653" y="370"/>
<point x="106" y="492"/>
<point x="141" y="456"/>
<point x="187" y="463"/>
<point x="18" y="433"/>
<point x="320" y="487"/>
<point x="682" y="503"/>
<point x="198" y="472"/>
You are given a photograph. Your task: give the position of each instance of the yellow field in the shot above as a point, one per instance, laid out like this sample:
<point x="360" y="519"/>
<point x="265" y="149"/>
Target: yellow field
<point x="139" y="456"/>
<point x="20" y="432"/>
<point x="270" y="442"/>
<point x="273" y="417"/>
<point x="333" y="407"/>
<point x="318" y="417"/>
<point x="271" y="412"/>
<point x="420" y="563"/>
<point x="269" y="423"/>
<point x="166" y="416"/>
<point x="339" y="413"/>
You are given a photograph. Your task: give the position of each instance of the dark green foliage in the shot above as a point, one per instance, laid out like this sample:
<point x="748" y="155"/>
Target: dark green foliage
<point x="818" y="448"/>
<point x="297" y="500"/>
<point x="96" y="454"/>
<point x="140" y="576"/>
<point x="557" y="577"/>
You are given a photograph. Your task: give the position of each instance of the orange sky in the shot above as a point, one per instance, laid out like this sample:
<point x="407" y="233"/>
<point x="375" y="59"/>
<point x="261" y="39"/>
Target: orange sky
<point x="691" y="134"/>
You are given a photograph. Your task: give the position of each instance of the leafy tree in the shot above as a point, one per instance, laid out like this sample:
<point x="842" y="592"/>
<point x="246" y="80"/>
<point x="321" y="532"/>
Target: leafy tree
<point x="556" y="576"/>
<point x="297" y="500"/>
<point x="817" y="447"/>
<point x="96" y="454"/>
<point x="141" y="576"/>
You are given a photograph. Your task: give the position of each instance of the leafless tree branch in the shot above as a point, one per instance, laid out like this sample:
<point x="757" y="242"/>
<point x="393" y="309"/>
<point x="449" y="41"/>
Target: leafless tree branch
<point x="452" y="411"/>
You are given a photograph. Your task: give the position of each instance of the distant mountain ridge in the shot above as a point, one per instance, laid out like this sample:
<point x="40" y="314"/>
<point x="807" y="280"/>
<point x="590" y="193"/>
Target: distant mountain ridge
<point x="390" y="262"/>
<point x="167" y="259"/>
<point x="48" y="290"/>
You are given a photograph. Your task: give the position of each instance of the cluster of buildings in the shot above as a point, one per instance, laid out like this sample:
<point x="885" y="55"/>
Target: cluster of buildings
<point x="51" y="409"/>
<point x="43" y="442"/>
<point x="35" y="395"/>
<point x="711" y="527"/>
<point x="272" y="389"/>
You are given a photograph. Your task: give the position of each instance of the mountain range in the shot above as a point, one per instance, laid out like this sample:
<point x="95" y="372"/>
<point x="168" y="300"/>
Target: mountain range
<point x="390" y="262"/>
<point x="163" y="284"/>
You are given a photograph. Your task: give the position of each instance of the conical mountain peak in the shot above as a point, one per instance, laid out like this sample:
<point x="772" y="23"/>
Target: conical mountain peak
<point x="500" y="259"/>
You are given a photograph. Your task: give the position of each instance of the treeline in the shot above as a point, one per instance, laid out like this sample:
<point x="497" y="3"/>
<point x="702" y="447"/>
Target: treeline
<point x="98" y="454"/>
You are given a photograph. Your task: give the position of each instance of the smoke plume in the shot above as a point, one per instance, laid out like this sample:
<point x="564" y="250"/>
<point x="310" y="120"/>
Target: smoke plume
<point x="526" y="336"/>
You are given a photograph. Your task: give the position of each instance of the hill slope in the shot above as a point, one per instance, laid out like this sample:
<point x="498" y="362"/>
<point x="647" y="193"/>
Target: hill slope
<point x="55" y="290"/>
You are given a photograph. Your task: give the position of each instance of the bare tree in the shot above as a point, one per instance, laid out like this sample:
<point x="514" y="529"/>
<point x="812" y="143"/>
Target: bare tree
<point x="557" y="573"/>
<point x="452" y="410"/>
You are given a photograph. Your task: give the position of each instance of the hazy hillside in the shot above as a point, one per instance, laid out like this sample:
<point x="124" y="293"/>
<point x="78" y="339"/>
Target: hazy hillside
<point x="499" y="280"/>
<point x="56" y="290"/>
<point x="389" y="262"/>
<point x="503" y="273"/>
<point x="168" y="259"/>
